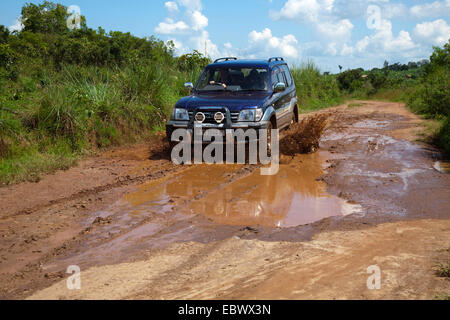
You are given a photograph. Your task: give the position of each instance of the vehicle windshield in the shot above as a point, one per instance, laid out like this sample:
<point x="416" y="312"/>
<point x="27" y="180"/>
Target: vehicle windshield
<point x="234" y="79"/>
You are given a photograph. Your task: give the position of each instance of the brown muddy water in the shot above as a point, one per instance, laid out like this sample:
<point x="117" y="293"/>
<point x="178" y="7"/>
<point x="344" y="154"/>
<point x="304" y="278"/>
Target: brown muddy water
<point x="292" y="197"/>
<point x="207" y="203"/>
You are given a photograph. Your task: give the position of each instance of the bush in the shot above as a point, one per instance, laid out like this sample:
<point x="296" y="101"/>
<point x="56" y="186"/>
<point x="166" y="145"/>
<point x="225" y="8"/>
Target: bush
<point x="350" y="80"/>
<point x="432" y="97"/>
<point x="443" y="136"/>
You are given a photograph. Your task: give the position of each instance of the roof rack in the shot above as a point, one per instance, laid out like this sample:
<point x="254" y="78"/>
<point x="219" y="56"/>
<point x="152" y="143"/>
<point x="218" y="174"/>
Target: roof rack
<point x="225" y="59"/>
<point x="276" y="59"/>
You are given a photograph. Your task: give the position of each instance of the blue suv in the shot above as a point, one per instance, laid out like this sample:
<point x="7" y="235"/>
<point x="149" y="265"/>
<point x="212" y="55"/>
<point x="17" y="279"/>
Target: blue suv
<point x="238" y="94"/>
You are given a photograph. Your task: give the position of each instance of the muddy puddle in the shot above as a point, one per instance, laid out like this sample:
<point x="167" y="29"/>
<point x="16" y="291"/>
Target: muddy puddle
<point x="207" y="203"/>
<point x="292" y="197"/>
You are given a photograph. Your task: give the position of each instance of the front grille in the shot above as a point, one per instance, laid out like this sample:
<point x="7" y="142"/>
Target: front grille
<point x="209" y="116"/>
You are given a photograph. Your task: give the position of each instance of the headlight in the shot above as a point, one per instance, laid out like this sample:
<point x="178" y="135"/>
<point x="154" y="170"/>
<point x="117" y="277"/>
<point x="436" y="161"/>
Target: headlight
<point x="258" y="114"/>
<point x="180" y="114"/>
<point x="250" y="115"/>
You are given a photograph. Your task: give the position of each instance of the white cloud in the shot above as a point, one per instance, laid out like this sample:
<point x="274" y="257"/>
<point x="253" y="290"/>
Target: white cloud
<point x="383" y="42"/>
<point x="198" y="20"/>
<point x="186" y="27"/>
<point x="394" y="10"/>
<point x="170" y="27"/>
<point x="433" y="9"/>
<point x="265" y="44"/>
<point x="341" y="29"/>
<point x="191" y="4"/>
<point x="320" y="14"/>
<point x="332" y="22"/>
<point x="298" y="9"/>
<point x="17" y="26"/>
<point x="171" y="6"/>
<point x="347" y="50"/>
<point x="436" y="32"/>
<point x="202" y="43"/>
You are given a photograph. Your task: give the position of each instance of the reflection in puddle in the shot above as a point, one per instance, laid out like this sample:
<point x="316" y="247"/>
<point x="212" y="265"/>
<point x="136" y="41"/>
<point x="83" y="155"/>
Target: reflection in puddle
<point x="371" y="124"/>
<point x="290" y="198"/>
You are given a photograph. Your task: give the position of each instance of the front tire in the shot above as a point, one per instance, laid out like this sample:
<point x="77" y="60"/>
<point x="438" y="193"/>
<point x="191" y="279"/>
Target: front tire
<point x="293" y="119"/>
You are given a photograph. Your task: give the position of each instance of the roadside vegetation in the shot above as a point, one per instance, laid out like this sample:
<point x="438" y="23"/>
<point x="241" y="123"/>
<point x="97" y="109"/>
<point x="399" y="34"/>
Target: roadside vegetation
<point x="424" y="86"/>
<point x="64" y="94"/>
<point x="431" y="97"/>
<point x="67" y="93"/>
<point x="315" y="90"/>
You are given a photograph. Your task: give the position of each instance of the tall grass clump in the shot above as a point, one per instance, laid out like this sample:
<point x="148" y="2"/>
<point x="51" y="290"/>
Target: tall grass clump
<point x="315" y="90"/>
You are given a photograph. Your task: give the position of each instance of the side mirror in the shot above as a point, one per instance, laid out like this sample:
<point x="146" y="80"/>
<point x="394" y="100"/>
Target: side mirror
<point x="189" y="86"/>
<point x="279" y="87"/>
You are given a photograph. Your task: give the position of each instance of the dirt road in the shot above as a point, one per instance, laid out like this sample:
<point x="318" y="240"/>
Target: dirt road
<point x="140" y="227"/>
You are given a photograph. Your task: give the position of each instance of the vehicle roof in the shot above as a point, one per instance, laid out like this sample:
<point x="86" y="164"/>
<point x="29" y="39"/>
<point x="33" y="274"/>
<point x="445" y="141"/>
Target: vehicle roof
<point x="256" y="63"/>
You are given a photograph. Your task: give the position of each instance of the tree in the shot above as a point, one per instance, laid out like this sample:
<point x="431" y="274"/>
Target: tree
<point x="193" y="60"/>
<point x="441" y="56"/>
<point x="350" y="79"/>
<point x="47" y="17"/>
<point x="412" y="65"/>
<point x="4" y="34"/>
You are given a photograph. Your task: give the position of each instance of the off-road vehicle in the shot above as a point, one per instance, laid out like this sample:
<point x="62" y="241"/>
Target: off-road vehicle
<point x="238" y="94"/>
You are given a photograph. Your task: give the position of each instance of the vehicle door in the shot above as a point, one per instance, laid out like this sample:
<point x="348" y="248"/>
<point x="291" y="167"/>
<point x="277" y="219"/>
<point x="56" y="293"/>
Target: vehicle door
<point x="277" y="77"/>
<point x="289" y="99"/>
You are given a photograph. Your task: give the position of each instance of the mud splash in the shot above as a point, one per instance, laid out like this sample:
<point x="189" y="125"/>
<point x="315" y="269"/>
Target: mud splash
<point x="292" y="197"/>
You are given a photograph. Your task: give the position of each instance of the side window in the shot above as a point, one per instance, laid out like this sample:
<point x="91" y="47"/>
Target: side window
<point x="285" y="79"/>
<point x="216" y="76"/>
<point x="287" y="74"/>
<point x="276" y="76"/>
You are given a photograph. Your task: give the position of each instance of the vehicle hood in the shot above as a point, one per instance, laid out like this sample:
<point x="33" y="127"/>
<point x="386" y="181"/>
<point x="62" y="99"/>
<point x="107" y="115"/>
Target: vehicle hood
<point x="232" y="100"/>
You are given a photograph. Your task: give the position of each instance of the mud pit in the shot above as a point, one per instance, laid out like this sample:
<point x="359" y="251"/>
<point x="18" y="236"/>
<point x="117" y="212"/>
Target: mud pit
<point x="236" y="233"/>
<point x="292" y="197"/>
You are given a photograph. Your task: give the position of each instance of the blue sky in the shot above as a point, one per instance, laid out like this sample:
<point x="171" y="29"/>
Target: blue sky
<point x="351" y="33"/>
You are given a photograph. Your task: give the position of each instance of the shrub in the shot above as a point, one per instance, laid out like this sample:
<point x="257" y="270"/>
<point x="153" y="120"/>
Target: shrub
<point x="350" y="80"/>
<point x="443" y="136"/>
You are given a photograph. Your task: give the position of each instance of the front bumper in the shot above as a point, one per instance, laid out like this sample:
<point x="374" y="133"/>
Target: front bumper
<point x="173" y="125"/>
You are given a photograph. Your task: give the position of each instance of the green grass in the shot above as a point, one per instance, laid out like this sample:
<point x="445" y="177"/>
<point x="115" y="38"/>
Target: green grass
<point x="442" y="296"/>
<point x="443" y="269"/>
<point x="384" y="94"/>
<point x="29" y="165"/>
<point x="314" y="89"/>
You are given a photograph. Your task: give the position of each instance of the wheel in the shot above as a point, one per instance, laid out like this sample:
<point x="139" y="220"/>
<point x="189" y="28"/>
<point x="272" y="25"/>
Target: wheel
<point x="292" y="119"/>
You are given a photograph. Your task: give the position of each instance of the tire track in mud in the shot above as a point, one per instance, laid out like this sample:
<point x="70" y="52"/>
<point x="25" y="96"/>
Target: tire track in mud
<point x="122" y="181"/>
